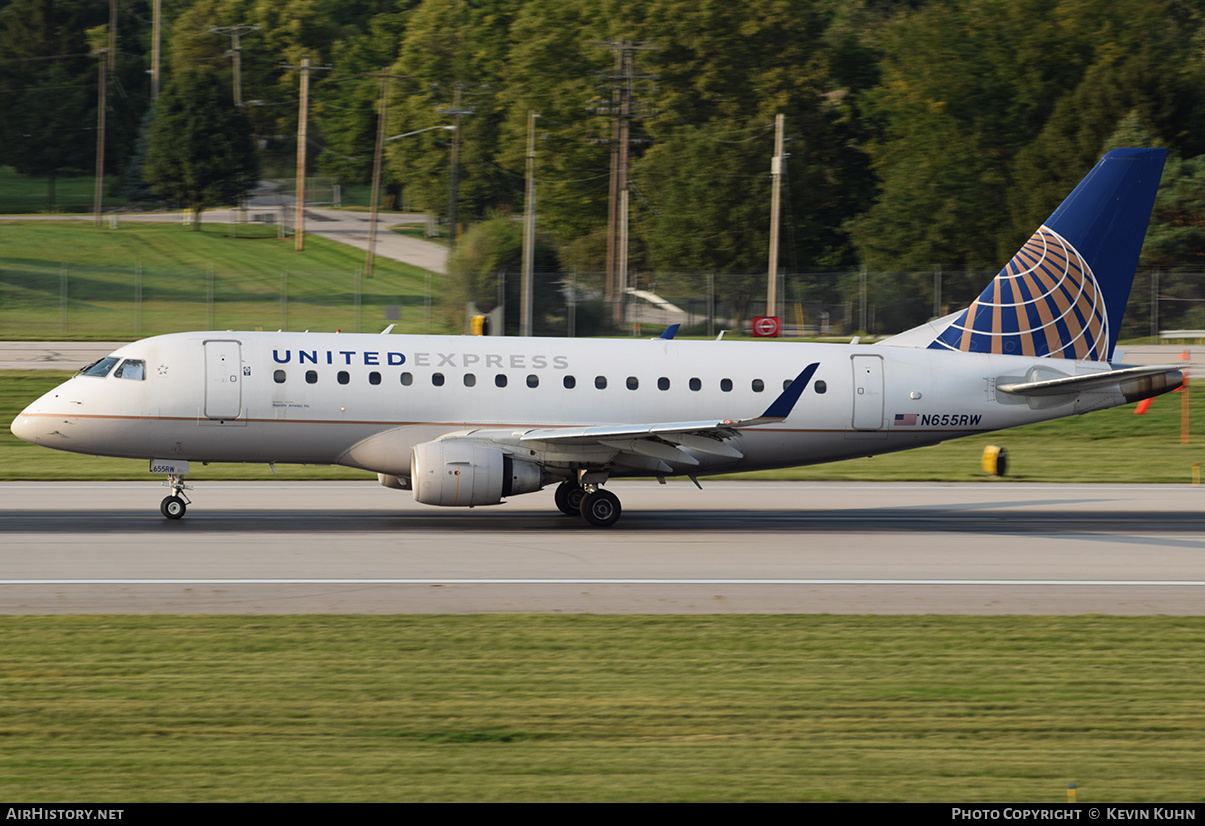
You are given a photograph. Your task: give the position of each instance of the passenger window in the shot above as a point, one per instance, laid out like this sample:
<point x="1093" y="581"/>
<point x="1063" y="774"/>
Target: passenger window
<point x="633" y="383"/>
<point x="726" y="385"/>
<point x="437" y="379"/>
<point x="570" y="382"/>
<point x="758" y="385"/>
<point x="786" y="383"/>
<point x="407" y="379"/>
<point x="279" y="377"/>
<point x="500" y="380"/>
<point x="663" y="383"/>
<point x="470" y="380"/>
<point x="600" y="382"/>
<point x="131" y="369"/>
<point x="820" y="386"/>
<point x="311" y="376"/>
<point x="533" y="380"/>
<point x="344" y="377"/>
<point x="374" y="377"/>
<point x="696" y="385"/>
<point x="100" y="368"/>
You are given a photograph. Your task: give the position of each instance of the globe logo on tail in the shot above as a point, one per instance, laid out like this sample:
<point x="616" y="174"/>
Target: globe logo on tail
<point x="1045" y="302"/>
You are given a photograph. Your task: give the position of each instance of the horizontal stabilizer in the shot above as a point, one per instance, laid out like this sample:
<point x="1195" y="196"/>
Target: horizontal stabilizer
<point x="1136" y="383"/>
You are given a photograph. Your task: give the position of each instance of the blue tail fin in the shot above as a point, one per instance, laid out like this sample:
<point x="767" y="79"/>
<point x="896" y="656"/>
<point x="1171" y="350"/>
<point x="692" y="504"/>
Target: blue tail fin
<point x="1063" y="294"/>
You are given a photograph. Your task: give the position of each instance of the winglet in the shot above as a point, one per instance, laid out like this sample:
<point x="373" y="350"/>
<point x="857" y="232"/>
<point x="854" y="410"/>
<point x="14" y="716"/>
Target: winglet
<point x="670" y="332"/>
<point x="781" y="407"/>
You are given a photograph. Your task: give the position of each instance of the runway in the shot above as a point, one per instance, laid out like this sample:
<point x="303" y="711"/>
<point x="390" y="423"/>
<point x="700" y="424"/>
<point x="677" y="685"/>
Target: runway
<point x="282" y="548"/>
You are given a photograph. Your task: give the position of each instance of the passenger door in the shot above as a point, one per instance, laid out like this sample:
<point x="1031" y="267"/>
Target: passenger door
<point x="223" y="382"/>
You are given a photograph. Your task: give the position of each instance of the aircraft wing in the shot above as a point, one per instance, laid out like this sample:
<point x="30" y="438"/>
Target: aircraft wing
<point x="663" y="440"/>
<point x="1159" y="379"/>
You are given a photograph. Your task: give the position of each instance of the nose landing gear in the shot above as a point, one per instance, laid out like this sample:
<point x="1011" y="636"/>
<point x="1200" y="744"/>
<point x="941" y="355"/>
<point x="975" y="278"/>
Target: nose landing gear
<point x="174" y="506"/>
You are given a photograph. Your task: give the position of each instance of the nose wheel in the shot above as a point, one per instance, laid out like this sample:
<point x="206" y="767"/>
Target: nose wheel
<point x="174" y="505"/>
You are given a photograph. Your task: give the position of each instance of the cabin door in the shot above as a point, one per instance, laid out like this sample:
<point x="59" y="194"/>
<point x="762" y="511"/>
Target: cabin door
<point x="868" y="393"/>
<point x="223" y="382"/>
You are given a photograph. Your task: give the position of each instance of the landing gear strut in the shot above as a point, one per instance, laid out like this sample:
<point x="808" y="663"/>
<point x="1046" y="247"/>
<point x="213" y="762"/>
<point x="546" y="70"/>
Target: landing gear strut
<point x="174" y="506"/>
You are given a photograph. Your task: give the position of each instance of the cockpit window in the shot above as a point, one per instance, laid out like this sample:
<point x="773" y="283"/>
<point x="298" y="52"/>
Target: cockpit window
<point x="131" y="369"/>
<point x="100" y="368"/>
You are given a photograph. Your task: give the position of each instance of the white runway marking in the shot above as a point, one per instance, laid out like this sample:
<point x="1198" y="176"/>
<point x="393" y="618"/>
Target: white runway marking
<point x="578" y="581"/>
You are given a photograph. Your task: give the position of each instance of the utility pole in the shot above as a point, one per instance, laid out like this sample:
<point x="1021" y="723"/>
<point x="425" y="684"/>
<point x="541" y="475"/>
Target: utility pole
<point x="375" y="198"/>
<point x="236" y="52"/>
<point x="106" y="65"/>
<point x="456" y="110"/>
<point x="113" y="38"/>
<point x="302" y="120"/>
<point x="156" y="53"/>
<point x="777" y="167"/>
<point x="98" y="192"/>
<point x="622" y="109"/>
<point x="529" y="230"/>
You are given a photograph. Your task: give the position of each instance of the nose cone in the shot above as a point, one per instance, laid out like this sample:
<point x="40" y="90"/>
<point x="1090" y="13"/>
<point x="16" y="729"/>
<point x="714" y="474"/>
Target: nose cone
<point x="25" y="427"/>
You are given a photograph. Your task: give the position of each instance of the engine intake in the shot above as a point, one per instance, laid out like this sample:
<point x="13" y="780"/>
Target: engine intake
<point x="461" y="473"/>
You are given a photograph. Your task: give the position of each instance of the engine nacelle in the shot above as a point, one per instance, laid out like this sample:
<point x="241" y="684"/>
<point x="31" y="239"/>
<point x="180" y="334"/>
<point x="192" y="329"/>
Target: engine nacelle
<point x="396" y="482"/>
<point x="460" y="472"/>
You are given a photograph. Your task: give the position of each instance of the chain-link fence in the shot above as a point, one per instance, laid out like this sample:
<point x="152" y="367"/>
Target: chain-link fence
<point x="61" y="301"/>
<point x="40" y="300"/>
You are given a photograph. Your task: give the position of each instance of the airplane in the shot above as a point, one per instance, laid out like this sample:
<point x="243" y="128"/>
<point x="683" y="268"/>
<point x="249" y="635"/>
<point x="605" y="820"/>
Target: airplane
<point x="469" y="421"/>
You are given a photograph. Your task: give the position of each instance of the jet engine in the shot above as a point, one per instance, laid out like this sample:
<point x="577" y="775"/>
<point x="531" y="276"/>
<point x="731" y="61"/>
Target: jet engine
<point x="458" y="472"/>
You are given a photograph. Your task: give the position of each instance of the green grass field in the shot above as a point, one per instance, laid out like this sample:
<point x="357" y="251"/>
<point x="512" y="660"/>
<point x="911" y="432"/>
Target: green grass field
<point x="601" y="708"/>
<point x="71" y="280"/>
<point x="23" y="195"/>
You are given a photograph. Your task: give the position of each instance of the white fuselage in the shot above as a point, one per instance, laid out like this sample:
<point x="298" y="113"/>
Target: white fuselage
<point x="315" y="397"/>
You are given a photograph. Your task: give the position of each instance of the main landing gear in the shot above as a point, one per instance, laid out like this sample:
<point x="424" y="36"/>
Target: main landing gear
<point x="174" y="506"/>
<point x="600" y="508"/>
<point x="568" y="497"/>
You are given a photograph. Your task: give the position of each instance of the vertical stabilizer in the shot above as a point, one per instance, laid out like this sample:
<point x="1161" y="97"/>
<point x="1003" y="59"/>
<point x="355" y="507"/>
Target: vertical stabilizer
<point x="1064" y="293"/>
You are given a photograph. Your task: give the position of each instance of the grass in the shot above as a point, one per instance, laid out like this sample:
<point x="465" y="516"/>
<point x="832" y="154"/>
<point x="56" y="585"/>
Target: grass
<point x="594" y="708"/>
<point x="418" y="231"/>
<point x="20" y="194"/>
<point x="1108" y="446"/>
<point x="179" y="270"/>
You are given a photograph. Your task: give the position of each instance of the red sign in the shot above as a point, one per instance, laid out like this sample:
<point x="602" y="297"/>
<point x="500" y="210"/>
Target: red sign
<point x="766" y="326"/>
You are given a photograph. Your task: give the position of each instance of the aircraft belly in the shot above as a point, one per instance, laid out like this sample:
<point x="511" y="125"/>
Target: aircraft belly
<point x="148" y="438"/>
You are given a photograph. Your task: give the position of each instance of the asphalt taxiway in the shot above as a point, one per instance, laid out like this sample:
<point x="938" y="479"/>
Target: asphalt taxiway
<point x="281" y="548"/>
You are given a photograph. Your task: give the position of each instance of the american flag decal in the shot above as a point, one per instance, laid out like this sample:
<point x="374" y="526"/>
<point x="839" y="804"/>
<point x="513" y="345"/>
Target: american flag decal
<point x="905" y="419"/>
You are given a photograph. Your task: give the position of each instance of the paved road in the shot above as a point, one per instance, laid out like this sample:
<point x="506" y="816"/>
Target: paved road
<point x="282" y="548"/>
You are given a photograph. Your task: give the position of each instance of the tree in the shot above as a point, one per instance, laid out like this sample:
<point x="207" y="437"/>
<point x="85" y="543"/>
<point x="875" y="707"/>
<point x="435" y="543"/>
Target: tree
<point x="48" y="88"/>
<point x="200" y="151"/>
<point x="487" y="266"/>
